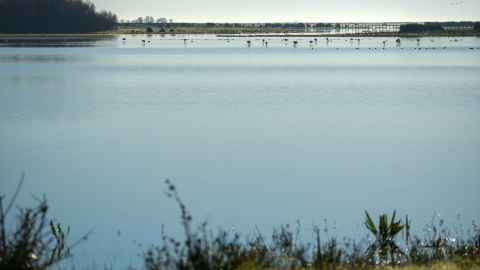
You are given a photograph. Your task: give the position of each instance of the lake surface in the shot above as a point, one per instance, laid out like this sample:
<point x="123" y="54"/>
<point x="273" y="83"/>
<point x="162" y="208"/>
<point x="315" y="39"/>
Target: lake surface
<point x="255" y="136"/>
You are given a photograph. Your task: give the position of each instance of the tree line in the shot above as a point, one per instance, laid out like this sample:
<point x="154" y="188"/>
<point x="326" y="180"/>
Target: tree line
<point x="53" y="16"/>
<point x="418" y="28"/>
<point x="436" y="27"/>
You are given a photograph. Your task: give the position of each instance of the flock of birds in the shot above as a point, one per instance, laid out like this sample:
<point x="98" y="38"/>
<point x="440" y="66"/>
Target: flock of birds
<point x="314" y="42"/>
<point x="295" y="43"/>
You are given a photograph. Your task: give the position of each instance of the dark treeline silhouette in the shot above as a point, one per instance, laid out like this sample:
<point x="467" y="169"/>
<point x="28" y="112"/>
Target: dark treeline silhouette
<point x="419" y="28"/>
<point x="456" y="24"/>
<point x="222" y="25"/>
<point x="476" y="26"/>
<point x="53" y="16"/>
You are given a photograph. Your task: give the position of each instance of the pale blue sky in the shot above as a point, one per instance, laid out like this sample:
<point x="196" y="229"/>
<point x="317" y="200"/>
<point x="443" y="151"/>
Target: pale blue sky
<point x="296" y="10"/>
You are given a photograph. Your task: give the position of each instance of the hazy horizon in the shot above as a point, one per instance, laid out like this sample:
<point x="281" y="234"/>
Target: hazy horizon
<point x="269" y="11"/>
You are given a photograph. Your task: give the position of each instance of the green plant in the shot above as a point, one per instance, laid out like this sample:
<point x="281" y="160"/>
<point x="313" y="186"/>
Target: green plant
<point x="197" y="251"/>
<point x="443" y="243"/>
<point x="201" y="250"/>
<point x="328" y="254"/>
<point x="291" y="253"/>
<point x="29" y="246"/>
<point x="385" y="237"/>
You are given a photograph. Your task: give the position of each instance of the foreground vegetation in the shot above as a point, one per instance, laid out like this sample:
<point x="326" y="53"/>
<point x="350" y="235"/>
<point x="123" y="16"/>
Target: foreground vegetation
<point x="285" y="249"/>
<point x="38" y="244"/>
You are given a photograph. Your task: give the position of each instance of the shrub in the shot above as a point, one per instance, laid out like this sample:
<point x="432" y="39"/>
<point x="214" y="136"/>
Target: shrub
<point x="31" y="246"/>
<point x="384" y="237"/>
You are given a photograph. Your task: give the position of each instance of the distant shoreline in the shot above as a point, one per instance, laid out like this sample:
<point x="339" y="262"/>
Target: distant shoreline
<point x="110" y="35"/>
<point x="393" y="34"/>
<point x="387" y="29"/>
<point x="55" y="37"/>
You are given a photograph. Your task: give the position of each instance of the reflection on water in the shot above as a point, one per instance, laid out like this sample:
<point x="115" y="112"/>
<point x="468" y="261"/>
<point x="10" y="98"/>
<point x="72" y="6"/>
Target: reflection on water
<point x="251" y="136"/>
<point x="42" y="58"/>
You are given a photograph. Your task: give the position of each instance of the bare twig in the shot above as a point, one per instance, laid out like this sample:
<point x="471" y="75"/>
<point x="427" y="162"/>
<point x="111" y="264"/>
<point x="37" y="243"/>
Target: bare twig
<point x="16" y="194"/>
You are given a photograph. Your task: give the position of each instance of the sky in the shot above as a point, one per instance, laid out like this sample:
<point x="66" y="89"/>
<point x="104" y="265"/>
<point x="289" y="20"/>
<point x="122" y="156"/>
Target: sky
<point x="264" y="11"/>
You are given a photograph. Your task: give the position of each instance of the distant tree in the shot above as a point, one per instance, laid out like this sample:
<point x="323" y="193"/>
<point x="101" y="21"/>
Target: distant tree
<point x="170" y="20"/>
<point x="476" y="26"/>
<point x="140" y="20"/>
<point x="412" y="28"/>
<point x="456" y="24"/>
<point x="273" y="25"/>
<point x="149" y="30"/>
<point x="106" y="20"/>
<point x="149" y="19"/>
<point x="433" y="26"/>
<point x="57" y="16"/>
<point x="300" y="25"/>
<point x="418" y="28"/>
<point x="162" y="20"/>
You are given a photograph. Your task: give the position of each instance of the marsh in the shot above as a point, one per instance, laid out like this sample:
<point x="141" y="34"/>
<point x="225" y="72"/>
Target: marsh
<point x="250" y="135"/>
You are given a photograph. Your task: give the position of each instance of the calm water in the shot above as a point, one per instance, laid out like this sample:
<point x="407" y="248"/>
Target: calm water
<point x="251" y="136"/>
